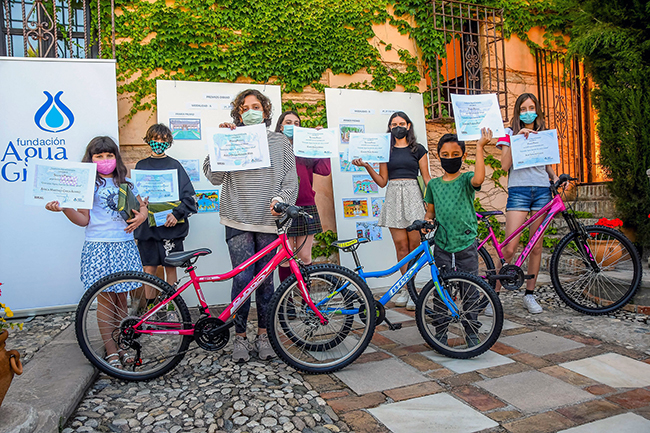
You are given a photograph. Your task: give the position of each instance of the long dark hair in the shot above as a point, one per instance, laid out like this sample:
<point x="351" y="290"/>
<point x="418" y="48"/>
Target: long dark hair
<point x="106" y="145"/>
<point x="517" y="124"/>
<point x="239" y="101"/>
<point x="410" y="134"/>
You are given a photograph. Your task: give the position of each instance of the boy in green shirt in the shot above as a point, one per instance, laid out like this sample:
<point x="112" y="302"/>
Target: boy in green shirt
<point x="450" y="199"/>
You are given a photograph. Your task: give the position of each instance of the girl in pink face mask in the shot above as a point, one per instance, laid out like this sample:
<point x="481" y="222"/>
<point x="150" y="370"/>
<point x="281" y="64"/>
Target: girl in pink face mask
<point x="109" y="245"/>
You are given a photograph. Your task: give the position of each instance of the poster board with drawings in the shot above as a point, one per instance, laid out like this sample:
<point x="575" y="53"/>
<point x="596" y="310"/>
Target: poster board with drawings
<point x="349" y="110"/>
<point x="209" y="103"/>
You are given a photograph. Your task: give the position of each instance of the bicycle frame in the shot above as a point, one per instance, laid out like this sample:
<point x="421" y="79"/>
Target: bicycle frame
<point x="426" y="257"/>
<point x="552" y="208"/>
<point x="284" y="252"/>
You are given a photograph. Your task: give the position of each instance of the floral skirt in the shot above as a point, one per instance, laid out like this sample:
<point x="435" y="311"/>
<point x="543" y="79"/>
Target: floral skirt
<point x="403" y="204"/>
<point x="99" y="259"/>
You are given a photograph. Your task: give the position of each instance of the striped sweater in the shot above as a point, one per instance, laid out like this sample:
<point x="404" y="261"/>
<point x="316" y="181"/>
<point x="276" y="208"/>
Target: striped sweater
<point x="246" y="195"/>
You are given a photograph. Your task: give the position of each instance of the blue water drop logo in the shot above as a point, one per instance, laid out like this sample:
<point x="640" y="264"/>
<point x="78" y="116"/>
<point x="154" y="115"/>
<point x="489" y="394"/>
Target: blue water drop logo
<point x="54" y="115"/>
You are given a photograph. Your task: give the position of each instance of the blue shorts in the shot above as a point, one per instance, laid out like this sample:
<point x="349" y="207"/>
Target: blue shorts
<point x="528" y="198"/>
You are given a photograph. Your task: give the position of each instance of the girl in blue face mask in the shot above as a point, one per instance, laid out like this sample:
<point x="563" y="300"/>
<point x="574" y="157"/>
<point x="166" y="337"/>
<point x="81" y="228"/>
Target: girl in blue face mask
<point x="528" y="189"/>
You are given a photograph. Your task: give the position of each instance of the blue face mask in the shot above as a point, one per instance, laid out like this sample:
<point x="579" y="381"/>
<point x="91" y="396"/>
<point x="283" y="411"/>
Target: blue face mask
<point x="252" y="117"/>
<point x="288" y="130"/>
<point x="528" y="117"/>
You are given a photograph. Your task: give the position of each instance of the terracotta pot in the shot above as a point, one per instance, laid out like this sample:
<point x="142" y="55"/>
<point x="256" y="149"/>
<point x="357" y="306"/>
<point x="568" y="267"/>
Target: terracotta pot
<point x="9" y="364"/>
<point x="605" y="254"/>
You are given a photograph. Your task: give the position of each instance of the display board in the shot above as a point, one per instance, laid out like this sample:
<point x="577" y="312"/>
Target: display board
<point x="191" y="108"/>
<point x="357" y="199"/>
<point x="50" y="109"/>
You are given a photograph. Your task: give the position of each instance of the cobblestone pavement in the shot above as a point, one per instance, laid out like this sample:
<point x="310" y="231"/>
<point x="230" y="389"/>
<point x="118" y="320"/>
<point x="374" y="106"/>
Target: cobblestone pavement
<point x="36" y="333"/>
<point x="207" y="392"/>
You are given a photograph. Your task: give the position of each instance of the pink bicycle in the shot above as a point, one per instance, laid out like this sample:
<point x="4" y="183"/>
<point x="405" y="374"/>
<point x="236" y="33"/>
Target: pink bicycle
<point x="311" y="322"/>
<point x="594" y="269"/>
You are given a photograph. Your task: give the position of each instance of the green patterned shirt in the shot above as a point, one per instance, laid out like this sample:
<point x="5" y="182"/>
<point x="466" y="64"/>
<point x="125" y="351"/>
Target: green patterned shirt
<point x="454" y="205"/>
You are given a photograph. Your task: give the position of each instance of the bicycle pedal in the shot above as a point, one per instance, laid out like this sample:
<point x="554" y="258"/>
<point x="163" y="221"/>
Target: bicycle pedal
<point x="394" y="326"/>
<point x="529" y="276"/>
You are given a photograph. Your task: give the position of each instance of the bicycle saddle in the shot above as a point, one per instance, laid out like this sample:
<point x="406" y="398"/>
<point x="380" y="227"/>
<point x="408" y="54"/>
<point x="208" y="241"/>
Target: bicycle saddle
<point x="349" y="244"/>
<point x="487" y="213"/>
<point x="180" y="258"/>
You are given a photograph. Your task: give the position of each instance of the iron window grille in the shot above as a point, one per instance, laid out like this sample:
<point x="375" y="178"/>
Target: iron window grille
<point x="475" y="55"/>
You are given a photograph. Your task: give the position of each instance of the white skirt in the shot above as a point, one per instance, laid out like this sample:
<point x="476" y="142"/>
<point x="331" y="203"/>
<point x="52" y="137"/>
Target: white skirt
<point x="403" y="204"/>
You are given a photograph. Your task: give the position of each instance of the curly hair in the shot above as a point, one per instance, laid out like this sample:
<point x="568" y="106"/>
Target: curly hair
<point x="239" y="102"/>
<point x="159" y="131"/>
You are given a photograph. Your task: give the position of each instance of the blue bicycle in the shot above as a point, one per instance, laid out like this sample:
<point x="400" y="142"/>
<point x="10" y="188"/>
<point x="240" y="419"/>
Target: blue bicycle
<point x="450" y="311"/>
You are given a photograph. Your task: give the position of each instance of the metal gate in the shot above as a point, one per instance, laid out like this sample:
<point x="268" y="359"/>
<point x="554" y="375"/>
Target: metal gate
<point x="563" y="90"/>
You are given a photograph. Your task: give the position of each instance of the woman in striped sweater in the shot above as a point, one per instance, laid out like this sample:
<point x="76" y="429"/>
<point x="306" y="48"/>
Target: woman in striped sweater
<point x="246" y="209"/>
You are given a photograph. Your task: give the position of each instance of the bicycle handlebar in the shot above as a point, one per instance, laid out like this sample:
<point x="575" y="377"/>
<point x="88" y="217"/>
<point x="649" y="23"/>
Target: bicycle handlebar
<point x="292" y="211"/>
<point x="563" y="178"/>
<point x="420" y="225"/>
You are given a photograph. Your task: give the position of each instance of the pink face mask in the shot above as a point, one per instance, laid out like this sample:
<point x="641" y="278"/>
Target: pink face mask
<point x="106" y="166"/>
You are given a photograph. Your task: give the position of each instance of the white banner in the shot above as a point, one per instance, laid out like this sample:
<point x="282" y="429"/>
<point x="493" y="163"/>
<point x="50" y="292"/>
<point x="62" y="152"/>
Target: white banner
<point x="49" y="110"/>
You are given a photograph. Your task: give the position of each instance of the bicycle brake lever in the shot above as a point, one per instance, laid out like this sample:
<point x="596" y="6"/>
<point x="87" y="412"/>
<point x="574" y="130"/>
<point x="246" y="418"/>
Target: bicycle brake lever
<point x="305" y="214"/>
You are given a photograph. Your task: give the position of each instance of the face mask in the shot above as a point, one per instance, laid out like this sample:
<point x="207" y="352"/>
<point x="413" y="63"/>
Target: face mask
<point x="252" y="117"/>
<point x="158" y="147"/>
<point x="451" y="165"/>
<point x="106" y="166"/>
<point x="288" y="130"/>
<point x="528" y="117"/>
<point x="398" y="132"/>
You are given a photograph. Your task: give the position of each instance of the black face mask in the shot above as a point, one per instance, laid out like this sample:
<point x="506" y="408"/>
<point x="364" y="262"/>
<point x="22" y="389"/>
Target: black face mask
<point x="451" y="165"/>
<point x="398" y="132"/>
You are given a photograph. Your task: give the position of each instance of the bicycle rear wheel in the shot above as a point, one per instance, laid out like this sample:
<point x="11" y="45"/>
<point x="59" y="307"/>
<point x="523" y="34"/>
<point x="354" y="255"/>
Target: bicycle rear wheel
<point x="297" y="335"/>
<point x="596" y="291"/>
<point x="468" y="332"/>
<point x="105" y="321"/>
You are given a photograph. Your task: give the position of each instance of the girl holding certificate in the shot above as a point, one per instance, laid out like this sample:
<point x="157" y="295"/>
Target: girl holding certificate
<point x="109" y="246"/>
<point x="247" y="200"/>
<point x="528" y="190"/>
<point x="302" y="230"/>
<point x="403" y="203"/>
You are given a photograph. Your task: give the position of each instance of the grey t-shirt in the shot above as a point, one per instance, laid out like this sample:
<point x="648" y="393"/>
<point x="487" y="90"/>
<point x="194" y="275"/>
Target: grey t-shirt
<point x="530" y="176"/>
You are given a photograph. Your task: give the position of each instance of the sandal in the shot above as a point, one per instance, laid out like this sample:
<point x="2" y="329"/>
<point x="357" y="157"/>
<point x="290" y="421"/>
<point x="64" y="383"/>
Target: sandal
<point x="126" y="358"/>
<point x="115" y="363"/>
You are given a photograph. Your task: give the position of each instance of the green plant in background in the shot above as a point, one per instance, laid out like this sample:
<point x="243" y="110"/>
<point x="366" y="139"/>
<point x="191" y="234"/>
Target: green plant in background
<point x="311" y="115"/>
<point x="547" y="242"/>
<point x="580" y="214"/>
<point x="323" y="244"/>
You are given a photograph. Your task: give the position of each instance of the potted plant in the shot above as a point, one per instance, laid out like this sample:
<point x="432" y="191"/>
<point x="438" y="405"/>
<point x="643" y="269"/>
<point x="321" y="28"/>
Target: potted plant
<point x="9" y="359"/>
<point x="605" y="251"/>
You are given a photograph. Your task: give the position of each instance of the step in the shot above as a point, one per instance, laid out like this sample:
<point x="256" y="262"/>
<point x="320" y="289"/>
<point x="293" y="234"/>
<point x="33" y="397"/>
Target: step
<point x="594" y="192"/>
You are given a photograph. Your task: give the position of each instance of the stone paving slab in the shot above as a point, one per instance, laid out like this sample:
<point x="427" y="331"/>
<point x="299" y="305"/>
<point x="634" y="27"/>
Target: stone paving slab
<point x="612" y="369"/>
<point x="540" y="343"/>
<point x="532" y="391"/>
<point x="406" y="336"/>
<point x="379" y="376"/>
<point x="624" y="423"/>
<point x="485" y="360"/>
<point x="433" y="413"/>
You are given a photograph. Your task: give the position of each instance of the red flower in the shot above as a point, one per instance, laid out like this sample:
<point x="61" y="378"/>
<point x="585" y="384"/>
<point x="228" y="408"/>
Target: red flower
<point x="612" y="224"/>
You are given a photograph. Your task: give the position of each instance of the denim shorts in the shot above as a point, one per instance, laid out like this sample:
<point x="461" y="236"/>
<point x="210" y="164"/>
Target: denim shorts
<point x="528" y="198"/>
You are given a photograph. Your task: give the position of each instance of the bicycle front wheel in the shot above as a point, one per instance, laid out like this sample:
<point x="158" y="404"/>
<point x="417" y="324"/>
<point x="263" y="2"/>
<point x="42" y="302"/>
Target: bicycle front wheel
<point x="452" y="318"/>
<point x="106" y="319"/>
<point x="604" y="288"/>
<point x="297" y="335"/>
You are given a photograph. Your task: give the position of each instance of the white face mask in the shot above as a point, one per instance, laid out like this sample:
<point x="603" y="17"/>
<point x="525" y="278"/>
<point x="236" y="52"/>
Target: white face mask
<point x="252" y="117"/>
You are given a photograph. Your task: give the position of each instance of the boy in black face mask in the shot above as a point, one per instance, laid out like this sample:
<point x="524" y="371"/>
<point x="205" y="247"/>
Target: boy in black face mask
<point x="450" y="199"/>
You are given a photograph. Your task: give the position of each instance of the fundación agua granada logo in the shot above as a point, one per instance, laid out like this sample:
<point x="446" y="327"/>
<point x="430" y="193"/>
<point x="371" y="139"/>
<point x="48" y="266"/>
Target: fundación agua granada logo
<point x="54" y="115"/>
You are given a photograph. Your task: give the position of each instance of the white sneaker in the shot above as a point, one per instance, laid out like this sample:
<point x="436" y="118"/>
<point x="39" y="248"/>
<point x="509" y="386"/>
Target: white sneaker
<point x="410" y="305"/>
<point x="531" y="304"/>
<point x="402" y="298"/>
<point x="489" y="312"/>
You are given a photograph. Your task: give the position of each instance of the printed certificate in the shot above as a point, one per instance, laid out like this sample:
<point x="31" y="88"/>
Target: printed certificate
<point x="370" y="147"/>
<point x="158" y="185"/>
<point x="243" y="148"/>
<point x="72" y="184"/>
<point x="538" y="149"/>
<point x="473" y="112"/>
<point x="314" y="143"/>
